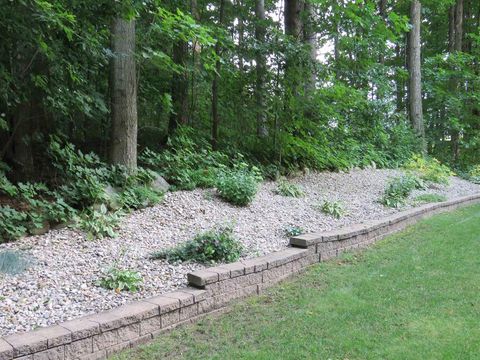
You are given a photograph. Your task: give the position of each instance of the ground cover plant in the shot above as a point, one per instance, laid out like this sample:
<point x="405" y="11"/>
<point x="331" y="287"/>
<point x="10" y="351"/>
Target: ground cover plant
<point x="286" y="188"/>
<point x="430" y="198"/>
<point x="216" y="245"/>
<point x="333" y="208"/>
<point x="121" y="280"/>
<point x="393" y="301"/>
<point x="399" y="189"/>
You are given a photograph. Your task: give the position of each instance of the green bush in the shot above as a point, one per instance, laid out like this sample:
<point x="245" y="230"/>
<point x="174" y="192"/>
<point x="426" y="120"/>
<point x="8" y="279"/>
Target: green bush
<point x="333" y="208"/>
<point x="12" y="224"/>
<point x="213" y="246"/>
<point x="239" y="185"/>
<point x="120" y="280"/>
<point x="430" y="198"/>
<point x="399" y="189"/>
<point x="474" y="174"/>
<point x="99" y="223"/>
<point x="285" y="188"/>
<point x="429" y="169"/>
<point x="137" y="197"/>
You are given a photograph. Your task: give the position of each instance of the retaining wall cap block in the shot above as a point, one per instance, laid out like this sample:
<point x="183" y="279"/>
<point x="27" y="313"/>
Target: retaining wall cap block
<point x="81" y="328"/>
<point x="201" y="278"/>
<point x="136" y="311"/>
<point x="198" y="295"/>
<point x="236" y="268"/>
<point x="184" y="297"/>
<point x="26" y="343"/>
<point x="305" y="240"/>
<point x="6" y="350"/>
<point x="110" y="320"/>
<point x="166" y="304"/>
<point x="56" y="335"/>
<point x="223" y="273"/>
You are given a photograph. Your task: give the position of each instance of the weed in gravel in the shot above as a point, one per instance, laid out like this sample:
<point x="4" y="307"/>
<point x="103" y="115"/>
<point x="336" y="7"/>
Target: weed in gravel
<point x="293" y="231"/>
<point x="333" y="208"/>
<point x="217" y="245"/>
<point x="399" y="189"/>
<point x="285" y="188"/>
<point x="120" y="280"/>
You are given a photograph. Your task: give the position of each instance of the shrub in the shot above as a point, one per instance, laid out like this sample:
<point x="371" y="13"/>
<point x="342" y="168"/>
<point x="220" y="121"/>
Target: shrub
<point x="285" y="188"/>
<point x="293" y="231"/>
<point x="430" y="198"/>
<point x="217" y="245"/>
<point x="137" y="197"/>
<point x="12" y="224"/>
<point x="474" y="174"/>
<point x="120" y="280"/>
<point x="99" y="223"/>
<point x="429" y="169"/>
<point x="13" y="262"/>
<point x="239" y="185"/>
<point x="399" y="189"/>
<point x="333" y="208"/>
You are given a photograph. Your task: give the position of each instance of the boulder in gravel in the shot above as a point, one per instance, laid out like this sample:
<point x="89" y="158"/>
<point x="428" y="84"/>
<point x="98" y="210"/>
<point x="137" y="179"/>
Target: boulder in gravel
<point x="160" y="184"/>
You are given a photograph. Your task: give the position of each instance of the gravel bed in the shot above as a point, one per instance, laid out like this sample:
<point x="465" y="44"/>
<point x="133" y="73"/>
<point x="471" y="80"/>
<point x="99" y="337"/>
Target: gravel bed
<point x="60" y="283"/>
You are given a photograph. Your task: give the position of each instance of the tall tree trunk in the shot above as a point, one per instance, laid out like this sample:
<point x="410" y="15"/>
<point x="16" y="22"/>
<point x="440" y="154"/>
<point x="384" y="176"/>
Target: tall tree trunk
<point x="309" y="36"/>
<point x="415" y="76"/>
<point x="293" y="21"/>
<point x="455" y="44"/>
<point x="179" y="85"/>
<point x="382" y="10"/>
<point x="123" y="89"/>
<point x="262" y="130"/>
<point x="215" y="116"/>
<point x="196" y="65"/>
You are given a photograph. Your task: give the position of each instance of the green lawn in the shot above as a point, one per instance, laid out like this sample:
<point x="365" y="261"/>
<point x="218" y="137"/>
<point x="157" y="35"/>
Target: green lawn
<point x="415" y="295"/>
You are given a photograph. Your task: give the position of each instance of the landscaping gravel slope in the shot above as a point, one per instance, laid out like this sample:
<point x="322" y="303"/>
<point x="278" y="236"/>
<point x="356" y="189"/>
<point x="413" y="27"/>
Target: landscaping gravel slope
<point x="60" y="284"/>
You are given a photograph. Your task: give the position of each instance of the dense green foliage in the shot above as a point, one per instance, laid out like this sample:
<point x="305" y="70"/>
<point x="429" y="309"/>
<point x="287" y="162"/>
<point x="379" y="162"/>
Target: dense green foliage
<point x="401" y="299"/>
<point x="429" y="169"/>
<point x="217" y="245"/>
<point x="239" y="185"/>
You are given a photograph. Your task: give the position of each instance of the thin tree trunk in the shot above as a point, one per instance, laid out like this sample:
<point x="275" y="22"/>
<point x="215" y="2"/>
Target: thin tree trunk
<point x="179" y="86"/>
<point x="215" y="116"/>
<point x="415" y="76"/>
<point x="309" y="35"/>
<point x="123" y="89"/>
<point x="262" y="130"/>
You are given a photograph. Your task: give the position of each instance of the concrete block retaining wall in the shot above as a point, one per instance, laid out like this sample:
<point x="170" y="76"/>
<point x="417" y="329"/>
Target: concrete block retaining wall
<point x="99" y="336"/>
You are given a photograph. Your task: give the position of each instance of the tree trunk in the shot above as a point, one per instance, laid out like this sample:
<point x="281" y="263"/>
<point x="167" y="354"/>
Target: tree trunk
<point x="123" y="90"/>
<point x="293" y="22"/>
<point x="415" y="76"/>
<point x="310" y="40"/>
<point x="179" y="86"/>
<point x="382" y="10"/>
<point x="215" y="117"/>
<point x="262" y="130"/>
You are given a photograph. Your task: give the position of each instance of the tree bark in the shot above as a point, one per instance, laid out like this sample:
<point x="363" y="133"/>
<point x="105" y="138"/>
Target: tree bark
<point x="415" y="76"/>
<point x="179" y="86"/>
<point x="310" y="39"/>
<point x="293" y="22"/>
<point x="215" y="117"/>
<point x="123" y="90"/>
<point x="262" y="129"/>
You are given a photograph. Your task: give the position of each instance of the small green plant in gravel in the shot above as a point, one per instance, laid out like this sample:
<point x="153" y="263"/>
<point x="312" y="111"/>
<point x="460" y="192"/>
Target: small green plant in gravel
<point x="293" y="231"/>
<point x="138" y="197"/>
<point x="121" y="280"/>
<point x="285" y="188"/>
<point x="13" y="262"/>
<point x="217" y="245"/>
<point x="99" y="223"/>
<point x="399" y="189"/>
<point x="333" y="208"/>
<point x="239" y="185"/>
<point x="430" y="198"/>
<point x="474" y="174"/>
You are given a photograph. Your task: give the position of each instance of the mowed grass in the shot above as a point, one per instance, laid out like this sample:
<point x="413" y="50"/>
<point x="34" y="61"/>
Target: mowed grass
<point x="414" y="295"/>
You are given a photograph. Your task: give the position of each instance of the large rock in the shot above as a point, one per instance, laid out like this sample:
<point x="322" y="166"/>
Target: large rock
<point x="160" y="184"/>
